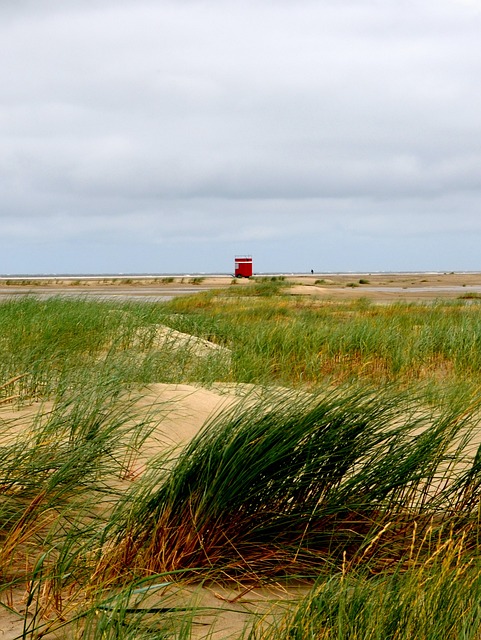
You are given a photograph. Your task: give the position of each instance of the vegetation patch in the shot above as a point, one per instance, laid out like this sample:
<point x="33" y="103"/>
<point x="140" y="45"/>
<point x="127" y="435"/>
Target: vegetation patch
<point x="472" y="295"/>
<point x="299" y="485"/>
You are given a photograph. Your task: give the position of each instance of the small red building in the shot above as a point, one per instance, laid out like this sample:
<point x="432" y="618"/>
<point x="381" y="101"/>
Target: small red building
<point x="243" y="266"/>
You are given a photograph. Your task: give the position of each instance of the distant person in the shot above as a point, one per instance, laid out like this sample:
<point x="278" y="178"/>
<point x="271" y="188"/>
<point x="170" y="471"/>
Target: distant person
<point x="312" y="271"/>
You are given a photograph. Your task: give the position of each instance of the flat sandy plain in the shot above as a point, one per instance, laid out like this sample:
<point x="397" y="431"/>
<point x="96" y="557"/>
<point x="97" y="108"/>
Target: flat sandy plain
<point x="379" y="287"/>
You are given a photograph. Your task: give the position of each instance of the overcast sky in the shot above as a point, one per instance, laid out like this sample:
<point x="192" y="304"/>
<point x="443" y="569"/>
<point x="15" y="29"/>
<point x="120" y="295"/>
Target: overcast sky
<point x="170" y="135"/>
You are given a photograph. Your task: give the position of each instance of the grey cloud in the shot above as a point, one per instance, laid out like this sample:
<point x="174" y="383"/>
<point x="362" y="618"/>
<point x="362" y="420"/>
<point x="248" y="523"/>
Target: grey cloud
<point x="169" y="120"/>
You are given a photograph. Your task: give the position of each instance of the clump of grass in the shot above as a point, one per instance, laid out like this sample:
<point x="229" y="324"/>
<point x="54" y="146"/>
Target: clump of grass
<point x="436" y="599"/>
<point x="296" y="486"/>
<point x="472" y="295"/>
<point x="363" y="281"/>
<point x="59" y="479"/>
<point x="263" y="287"/>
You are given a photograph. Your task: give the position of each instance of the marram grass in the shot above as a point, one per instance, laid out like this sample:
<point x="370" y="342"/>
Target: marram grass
<point x="436" y="599"/>
<point x="300" y="485"/>
<point x="372" y="492"/>
<point x="305" y="342"/>
<point x="271" y="340"/>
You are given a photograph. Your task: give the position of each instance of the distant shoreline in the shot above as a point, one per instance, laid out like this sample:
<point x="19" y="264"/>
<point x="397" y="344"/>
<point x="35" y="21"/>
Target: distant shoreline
<point x="378" y="287"/>
<point x="286" y="274"/>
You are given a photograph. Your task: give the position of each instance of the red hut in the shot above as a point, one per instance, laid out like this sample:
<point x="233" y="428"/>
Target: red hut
<point x="243" y="266"/>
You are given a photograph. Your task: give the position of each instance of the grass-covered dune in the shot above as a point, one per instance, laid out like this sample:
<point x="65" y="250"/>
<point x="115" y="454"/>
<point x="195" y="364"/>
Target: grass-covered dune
<point x="299" y="485"/>
<point x="346" y="459"/>
<point x="308" y="341"/>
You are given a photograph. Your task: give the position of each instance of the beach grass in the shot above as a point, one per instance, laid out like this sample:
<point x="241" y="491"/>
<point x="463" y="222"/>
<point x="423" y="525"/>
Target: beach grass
<point x="436" y="600"/>
<point x="305" y="342"/>
<point x="296" y="485"/>
<point x="353" y="465"/>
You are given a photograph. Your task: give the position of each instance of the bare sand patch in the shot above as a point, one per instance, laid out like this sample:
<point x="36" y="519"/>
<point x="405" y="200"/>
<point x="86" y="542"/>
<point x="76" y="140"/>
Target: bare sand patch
<point x="178" y="412"/>
<point x="166" y="336"/>
<point x="220" y="612"/>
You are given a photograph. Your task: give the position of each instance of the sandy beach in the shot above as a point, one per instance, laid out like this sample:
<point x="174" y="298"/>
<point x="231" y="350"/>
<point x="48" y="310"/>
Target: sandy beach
<point x="378" y="287"/>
